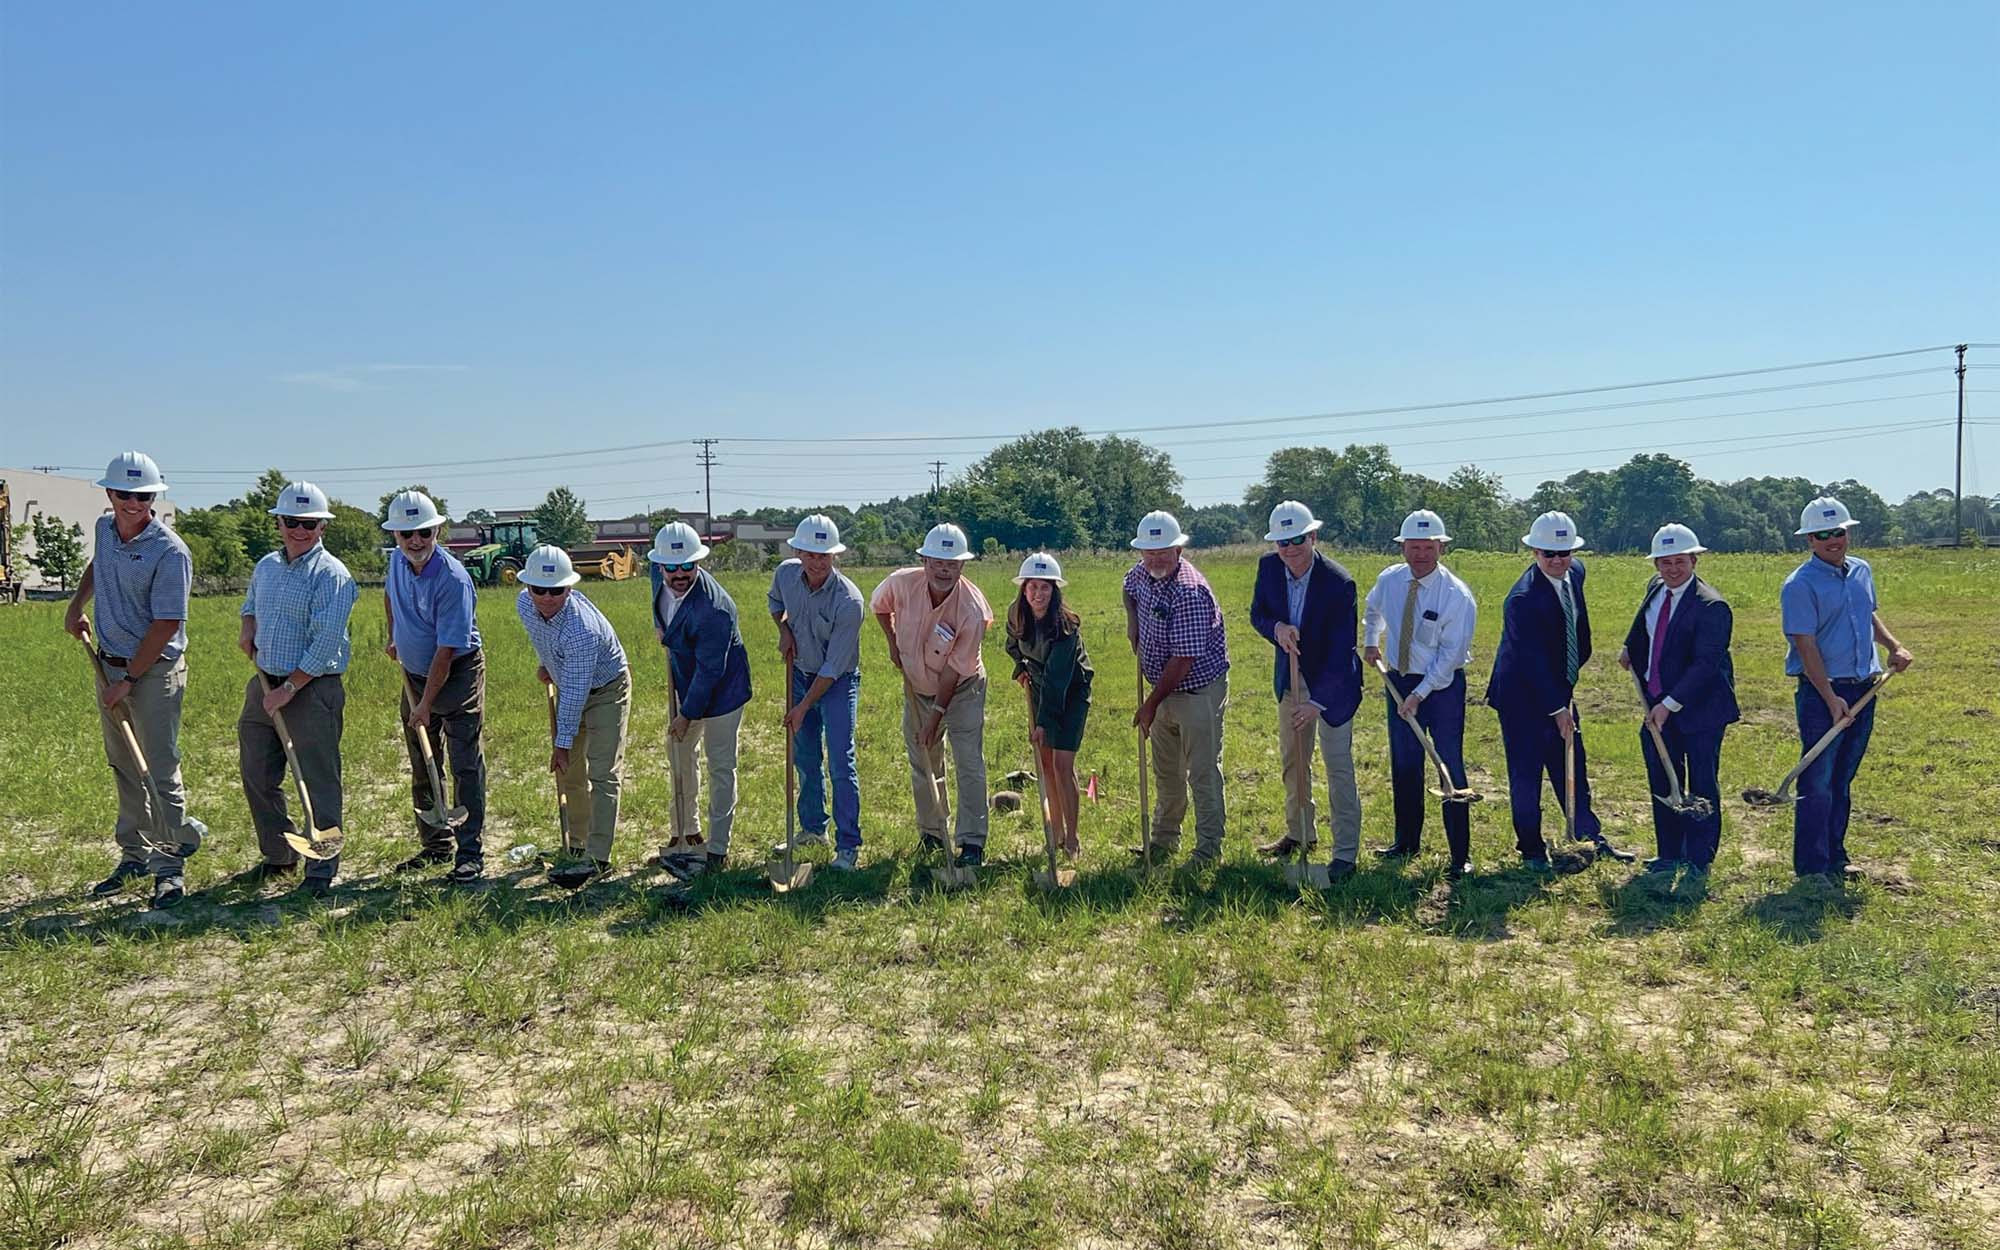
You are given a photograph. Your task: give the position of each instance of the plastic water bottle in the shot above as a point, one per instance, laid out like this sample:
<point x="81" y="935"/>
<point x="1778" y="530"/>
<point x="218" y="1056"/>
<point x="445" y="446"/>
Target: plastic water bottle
<point x="524" y="853"/>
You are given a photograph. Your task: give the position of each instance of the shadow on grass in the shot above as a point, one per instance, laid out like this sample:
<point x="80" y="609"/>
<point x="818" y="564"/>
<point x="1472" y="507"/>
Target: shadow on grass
<point x="1799" y="913"/>
<point x="1651" y="901"/>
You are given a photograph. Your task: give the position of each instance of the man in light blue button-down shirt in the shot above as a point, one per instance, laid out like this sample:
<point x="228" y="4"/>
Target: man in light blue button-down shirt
<point x="295" y="632"/>
<point x="1830" y="621"/>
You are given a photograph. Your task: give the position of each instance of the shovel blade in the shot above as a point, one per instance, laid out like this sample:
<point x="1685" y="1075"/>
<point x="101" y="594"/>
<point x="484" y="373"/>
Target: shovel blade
<point x="1299" y="875"/>
<point x="950" y="878"/>
<point x="1060" y="879"/>
<point x="325" y="844"/>
<point x="1765" y="798"/>
<point x="788" y="877"/>
<point x="1458" y="796"/>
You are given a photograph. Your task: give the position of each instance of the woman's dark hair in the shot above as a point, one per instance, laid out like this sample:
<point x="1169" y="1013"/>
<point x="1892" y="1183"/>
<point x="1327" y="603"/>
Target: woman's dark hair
<point x="1060" y="621"/>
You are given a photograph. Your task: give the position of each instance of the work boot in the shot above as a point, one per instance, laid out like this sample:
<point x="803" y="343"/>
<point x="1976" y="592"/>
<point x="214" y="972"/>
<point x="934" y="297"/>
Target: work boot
<point x="1339" y="870"/>
<point x="167" y="890"/>
<point x="804" y="839"/>
<point x="846" y="860"/>
<point x="1281" y="849"/>
<point x="971" y="856"/>
<point x="575" y="876"/>
<point x="125" y="871"/>
<point x="424" y="858"/>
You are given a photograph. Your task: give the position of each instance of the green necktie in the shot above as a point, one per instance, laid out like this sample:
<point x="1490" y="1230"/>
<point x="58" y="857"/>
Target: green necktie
<point x="1569" y="632"/>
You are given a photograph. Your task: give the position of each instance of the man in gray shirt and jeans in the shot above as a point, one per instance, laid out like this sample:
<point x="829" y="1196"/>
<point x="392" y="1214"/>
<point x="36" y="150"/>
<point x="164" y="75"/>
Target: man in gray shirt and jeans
<point x="818" y="612"/>
<point x="139" y="575"/>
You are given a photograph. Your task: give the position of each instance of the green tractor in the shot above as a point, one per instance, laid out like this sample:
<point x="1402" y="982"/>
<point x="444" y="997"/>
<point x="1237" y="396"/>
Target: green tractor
<point x="503" y="548"/>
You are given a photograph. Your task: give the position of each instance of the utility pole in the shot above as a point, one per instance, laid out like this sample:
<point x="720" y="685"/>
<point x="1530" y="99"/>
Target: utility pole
<point x="707" y="461"/>
<point x="937" y="477"/>
<point x="1958" y="475"/>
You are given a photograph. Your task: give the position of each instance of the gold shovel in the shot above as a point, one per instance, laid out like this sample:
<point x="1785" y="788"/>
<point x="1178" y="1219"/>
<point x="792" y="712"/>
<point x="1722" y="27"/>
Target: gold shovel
<point x="1697" y="806"/>
<point x="950" y="876"/>
<point x="787" y="873"/>
<point x="437" y="817"/>
<point x="322" y="843"/>
<point x="1783" y="795"/>
<point x="1056" y="877"/>
<point x="1145" y="803"/>
<point x="1446" y="789"/>
<point x="1301" y="871"/>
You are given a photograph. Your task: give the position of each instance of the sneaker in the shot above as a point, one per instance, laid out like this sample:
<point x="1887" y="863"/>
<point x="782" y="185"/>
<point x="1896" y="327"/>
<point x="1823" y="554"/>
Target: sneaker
<point x="1458" y="872"/>
<point x="803" y="840"/>
<point x="1280" y="849"/>
<point x="425" y="858"/>
<point x="971" y="856"/>
<point x="167" y="891"/>
<point x="1339" y="870"/>
<point x="314" y="887"/>
<point x="125" y="871"/>
<point x="846" y="860"/>
<point x="266" y="872"/>
<point x="575" y="876"/>
<point x="466" y="871"/>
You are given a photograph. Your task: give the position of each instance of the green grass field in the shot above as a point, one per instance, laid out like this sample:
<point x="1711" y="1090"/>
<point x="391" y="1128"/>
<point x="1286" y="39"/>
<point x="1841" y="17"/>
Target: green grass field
<point x="1204" y="1059"/>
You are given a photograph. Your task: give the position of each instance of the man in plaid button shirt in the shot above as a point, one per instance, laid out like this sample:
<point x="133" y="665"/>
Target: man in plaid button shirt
<point x="1175" y="628"/>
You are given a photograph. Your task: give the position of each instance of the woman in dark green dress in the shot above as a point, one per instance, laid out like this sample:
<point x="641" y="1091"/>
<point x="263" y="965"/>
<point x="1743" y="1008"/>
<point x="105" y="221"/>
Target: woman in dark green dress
<point x="1046" y="640"/>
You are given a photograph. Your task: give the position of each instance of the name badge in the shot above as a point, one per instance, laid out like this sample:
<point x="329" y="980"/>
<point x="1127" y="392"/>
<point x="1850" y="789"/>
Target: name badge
<point x="1430" y="616"/>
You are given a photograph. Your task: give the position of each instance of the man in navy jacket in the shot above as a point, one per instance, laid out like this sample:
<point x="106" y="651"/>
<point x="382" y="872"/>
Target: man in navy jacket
<point x="1544" y="642"/>
<point x="1305" y="605"/>
<point x="1679" y="642"/>
<point x="695" y="619"/>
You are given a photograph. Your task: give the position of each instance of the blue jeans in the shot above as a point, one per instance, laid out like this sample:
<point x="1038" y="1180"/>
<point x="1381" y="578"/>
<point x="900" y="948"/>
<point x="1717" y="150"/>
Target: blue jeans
<point x="1819" y="829"/>
<point x="830" y="719"/>
<point x="1442" y="715"/>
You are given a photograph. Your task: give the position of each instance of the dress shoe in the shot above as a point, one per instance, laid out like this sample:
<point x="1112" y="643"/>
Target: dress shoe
<point x="1280" y="849"/>
<point x="314" y="887"/>
<point x="1395" y="850"/>
<point x="1661" y="863"/>
<point x="575" y="876"/>
<point x="125" y="871"/>
<point x="266" y="872"/>
<point x="1340" y="870"/>
<point x="423" y="859"/>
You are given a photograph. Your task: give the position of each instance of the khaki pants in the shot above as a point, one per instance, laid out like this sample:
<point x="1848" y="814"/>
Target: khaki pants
<point x="597" y="767"/>
<point x="1336" y="747"/>
<point x="154" y="707"/>
<point x="316" y="717"/>
<point x="714" y="736"/>
<point x="965" y="730"/>
<point x="1187" y="753"/>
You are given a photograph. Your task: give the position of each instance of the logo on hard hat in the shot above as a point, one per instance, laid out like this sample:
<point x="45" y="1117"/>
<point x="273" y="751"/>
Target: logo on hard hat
<point x="409" y="512"/>
<point x="1282" y="524"/>
<point x="1155" y="531"/>
<point x="308" y="499"/>
<point x="1829" y="512"/>
<point x="1562" y="533"/>
<point x="133" y="473"/>
<point x="819" y="535"/>
<point x="1666" y="542"/>
<point x="676" y="546"/>
<point x="1423" y="525"/>
<point x="944" y="542"/>
<point x="548" y="568"/>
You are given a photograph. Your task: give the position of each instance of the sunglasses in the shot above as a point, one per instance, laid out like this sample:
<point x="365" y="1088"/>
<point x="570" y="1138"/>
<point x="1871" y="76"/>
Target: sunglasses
<point x="300" y="522"/>
<point x="411" y="536"/>
<point x="1823" y="535"/>
<point x="1294" y="542"/>
<point x="1555" y="555"/>
<point x="677" y="568"/>
<point x="547" y="592"/>
<point x="131" y="494"/>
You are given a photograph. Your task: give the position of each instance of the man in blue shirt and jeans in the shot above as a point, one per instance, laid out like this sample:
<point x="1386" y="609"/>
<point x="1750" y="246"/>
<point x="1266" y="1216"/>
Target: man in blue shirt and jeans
<point x="434" y="635"/>
<point x="1828" y="606"/>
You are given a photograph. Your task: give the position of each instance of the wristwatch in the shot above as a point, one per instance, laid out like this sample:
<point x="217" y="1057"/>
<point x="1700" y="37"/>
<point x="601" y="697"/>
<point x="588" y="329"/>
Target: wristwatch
<point x="288" y="687"/>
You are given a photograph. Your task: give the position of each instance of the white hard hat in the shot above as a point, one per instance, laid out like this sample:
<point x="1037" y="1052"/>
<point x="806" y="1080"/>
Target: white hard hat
<point x="133" y="471"/>
<point x="1675" y="539"/>
<point x="817" y="533"/>
<point x="412" y="510"/>
<point x="1552" y="531"/>
<point x="677" y="543"/>
<point x="1824" y="513"/>
<point x="1423" y="523"/>
<point x="1042" y="565"/>
<point x="1157" y="531"/>
<point x="302" y="499"/>
<point x="549" y="566"/>
<point x="945" y="542"/>
<point x="1290" y="519"/>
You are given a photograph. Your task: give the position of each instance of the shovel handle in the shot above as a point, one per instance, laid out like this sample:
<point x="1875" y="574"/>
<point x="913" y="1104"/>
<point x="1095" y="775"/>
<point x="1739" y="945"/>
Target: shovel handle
<point x="1826" y="739"/>
<point x="1569" y="777"/>
<point x="937" y="791"/>
<point x="1674" y="796"/>
<point x="291" y="758"/>
<point x="562" y="800"/>
<point x="1041" y="787"/>
<point x="791" y="779"/>
<point x="1145" y="803"/>
<point x="1445" y="782"/>
<point x="1303" y="784"/>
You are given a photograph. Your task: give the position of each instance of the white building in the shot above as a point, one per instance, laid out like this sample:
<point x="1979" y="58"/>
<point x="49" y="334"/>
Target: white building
<point x="71" y="499"/>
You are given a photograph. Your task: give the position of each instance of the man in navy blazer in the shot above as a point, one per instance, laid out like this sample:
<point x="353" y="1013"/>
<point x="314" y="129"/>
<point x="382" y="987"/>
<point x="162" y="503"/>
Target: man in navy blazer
<point x="1679" y="643"/>
<point x="695" y="620"/>
<point x="1544" y="642"/>
<point x="1305" y="605"/>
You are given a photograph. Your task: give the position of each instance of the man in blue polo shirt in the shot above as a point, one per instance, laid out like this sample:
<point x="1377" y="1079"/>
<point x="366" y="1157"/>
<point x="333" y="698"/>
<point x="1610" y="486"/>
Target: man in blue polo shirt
<point x="295" y="631"/>
<point x="1828" y="607"/>
<point x="139" y="575"/>
<point x="434" y="635"/>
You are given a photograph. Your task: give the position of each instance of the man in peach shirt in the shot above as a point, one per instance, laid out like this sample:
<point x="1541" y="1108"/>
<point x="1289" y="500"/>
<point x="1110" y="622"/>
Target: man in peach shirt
<point x="935" y="621"/>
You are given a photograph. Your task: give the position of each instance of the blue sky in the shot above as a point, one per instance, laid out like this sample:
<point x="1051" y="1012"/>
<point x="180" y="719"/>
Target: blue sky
<point x="431" y="235"/>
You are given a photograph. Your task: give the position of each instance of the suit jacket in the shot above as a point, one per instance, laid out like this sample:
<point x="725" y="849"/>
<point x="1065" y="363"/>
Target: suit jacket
<point x="1529" y="673"/>
<point x="704" y="648"/>
<point x="1328" y="661"/>
<point x="1695" y="669"/>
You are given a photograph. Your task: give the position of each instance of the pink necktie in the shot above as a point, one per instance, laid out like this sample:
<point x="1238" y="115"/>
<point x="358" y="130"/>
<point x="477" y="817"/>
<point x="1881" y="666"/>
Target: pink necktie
<point x="1660" y="643"/>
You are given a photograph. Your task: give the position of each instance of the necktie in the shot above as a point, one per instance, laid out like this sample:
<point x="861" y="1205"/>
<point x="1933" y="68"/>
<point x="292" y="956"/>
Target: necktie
<point x="1659" y="641"/>
<point x="1569" y="632"/>
<point x="1409" y="627"/>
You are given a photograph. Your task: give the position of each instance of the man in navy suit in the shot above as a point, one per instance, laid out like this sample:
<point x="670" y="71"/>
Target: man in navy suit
<point x="695" y="620"/>
<point x="1544" y="643"/>
<point x="1305" y="605"/>
<point x="1680" y="642"/>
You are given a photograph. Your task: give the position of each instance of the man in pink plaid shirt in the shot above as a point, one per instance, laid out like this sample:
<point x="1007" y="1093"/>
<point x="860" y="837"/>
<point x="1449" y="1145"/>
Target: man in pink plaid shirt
<point x="1175" y="628"/>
